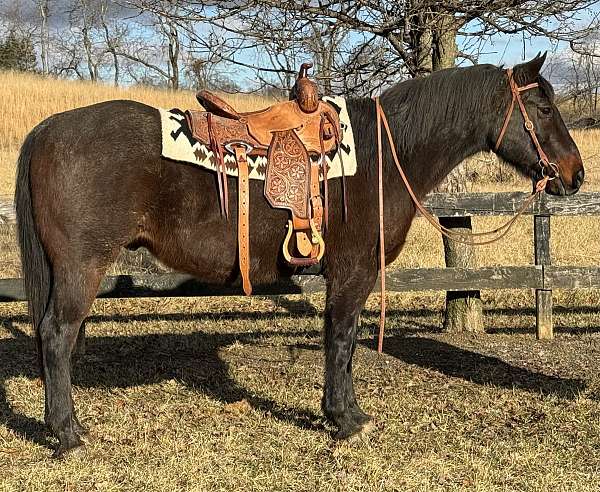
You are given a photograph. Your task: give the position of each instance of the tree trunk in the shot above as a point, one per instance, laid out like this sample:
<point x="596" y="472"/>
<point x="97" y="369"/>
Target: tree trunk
<point x="464" y="310"/>
<point x="173" y="37"/>
<point x="87" y="45"/>
<point x="45" y="36"/>
<point x="110" y="43"/>
<point x="423" y="53"/>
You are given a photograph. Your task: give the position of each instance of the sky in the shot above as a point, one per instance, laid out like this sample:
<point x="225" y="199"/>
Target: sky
<point x="508" y="49"/>
<point x="512" y="49"/>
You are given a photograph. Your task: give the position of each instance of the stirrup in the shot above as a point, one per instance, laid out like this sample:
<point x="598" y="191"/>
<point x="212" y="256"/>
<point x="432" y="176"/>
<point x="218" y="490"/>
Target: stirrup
<point x="316" y="239"/>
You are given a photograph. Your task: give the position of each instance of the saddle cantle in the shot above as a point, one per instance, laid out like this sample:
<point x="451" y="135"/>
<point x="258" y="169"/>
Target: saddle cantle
<point x="294" y="136"/>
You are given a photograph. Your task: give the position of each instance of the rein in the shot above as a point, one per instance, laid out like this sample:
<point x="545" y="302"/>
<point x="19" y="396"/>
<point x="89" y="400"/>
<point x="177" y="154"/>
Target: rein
<point x="550" y="171"/>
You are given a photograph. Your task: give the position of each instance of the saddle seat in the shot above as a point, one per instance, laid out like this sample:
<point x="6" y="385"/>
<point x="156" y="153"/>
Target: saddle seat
<point x="288" y="133"/>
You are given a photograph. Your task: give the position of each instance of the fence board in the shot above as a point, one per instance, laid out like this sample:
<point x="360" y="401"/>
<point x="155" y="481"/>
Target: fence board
<point x="542" y="277"/>
<point x="417" y="279"/>
<point x="491" y="204"/>
<point x="483" y="204"/>
<point x="570" y="277"/>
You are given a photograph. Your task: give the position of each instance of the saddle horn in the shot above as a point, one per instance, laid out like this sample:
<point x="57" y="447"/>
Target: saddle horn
<point x="305" y="91"/>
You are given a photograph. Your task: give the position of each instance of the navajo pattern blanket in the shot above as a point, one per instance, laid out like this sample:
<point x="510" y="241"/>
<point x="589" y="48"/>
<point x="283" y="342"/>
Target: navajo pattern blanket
<point x="179" y="145"/>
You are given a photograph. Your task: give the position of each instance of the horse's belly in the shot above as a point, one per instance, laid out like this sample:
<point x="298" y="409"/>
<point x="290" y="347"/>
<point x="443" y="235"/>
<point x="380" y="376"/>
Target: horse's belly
<point x="206" y="246"/>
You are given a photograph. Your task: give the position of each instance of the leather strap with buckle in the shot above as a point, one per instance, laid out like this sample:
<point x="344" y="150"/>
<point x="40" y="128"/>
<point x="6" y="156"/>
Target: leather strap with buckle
<point x="243" y="215"/>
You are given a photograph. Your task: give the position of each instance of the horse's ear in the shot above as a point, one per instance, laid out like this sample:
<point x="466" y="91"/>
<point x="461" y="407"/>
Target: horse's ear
<point x="528" y="72"/>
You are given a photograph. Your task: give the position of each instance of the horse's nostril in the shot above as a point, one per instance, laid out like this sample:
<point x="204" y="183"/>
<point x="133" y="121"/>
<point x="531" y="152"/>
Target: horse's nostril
<point x="578" y="178"/>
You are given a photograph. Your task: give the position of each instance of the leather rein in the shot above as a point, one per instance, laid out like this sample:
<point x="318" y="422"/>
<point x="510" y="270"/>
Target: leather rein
<point x="550" y="171"/>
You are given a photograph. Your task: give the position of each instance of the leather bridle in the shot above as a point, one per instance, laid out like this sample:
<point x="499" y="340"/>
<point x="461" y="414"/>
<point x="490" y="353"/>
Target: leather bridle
<point x="550" y="171"/>
<point x="545" y="163"/>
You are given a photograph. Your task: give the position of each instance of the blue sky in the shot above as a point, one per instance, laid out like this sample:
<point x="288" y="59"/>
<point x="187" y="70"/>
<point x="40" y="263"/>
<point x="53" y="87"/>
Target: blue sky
<point x="512" y="49"/>
<point x="509" y="49"/>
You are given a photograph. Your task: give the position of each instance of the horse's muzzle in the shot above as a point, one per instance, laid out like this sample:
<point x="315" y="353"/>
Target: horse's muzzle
<point x="563" y="187"/>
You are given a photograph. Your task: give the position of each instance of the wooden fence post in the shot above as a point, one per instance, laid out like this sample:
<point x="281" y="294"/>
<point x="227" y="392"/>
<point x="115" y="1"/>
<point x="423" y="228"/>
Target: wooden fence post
<point x="543" y="297"/>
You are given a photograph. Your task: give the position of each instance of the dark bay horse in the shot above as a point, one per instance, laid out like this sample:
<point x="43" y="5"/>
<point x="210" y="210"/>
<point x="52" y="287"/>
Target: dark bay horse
<point x="92" y="180"/>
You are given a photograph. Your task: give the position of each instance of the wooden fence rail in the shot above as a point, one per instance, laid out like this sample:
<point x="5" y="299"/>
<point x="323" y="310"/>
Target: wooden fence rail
<point x="543" y="276"/>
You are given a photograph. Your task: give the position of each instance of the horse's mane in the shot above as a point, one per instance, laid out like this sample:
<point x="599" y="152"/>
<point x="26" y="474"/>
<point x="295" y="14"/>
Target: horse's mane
<point x="456" y="97"/>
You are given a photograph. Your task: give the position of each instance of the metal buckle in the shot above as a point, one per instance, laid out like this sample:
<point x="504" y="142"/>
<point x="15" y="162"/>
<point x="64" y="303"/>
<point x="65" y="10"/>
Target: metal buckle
<point x="229" y="146"/>
<point x="529" y="125"/>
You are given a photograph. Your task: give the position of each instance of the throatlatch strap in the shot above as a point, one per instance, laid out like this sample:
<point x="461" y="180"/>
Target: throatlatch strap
<point x="243" y="218"/>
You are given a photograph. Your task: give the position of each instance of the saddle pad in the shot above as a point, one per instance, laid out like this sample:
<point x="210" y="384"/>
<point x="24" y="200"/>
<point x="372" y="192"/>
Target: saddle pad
<point x="179" y="145"/>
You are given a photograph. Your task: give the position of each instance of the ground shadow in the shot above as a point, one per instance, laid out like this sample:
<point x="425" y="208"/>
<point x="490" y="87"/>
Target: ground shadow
<point x="17" y="357"/>
<point x="126" y="361"/>
<point x="195" y="360"/>
<point x="475" y="367"/>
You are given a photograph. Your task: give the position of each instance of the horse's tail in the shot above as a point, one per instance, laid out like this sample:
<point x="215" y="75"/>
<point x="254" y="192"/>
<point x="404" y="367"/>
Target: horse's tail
<point x="34" y="262"/>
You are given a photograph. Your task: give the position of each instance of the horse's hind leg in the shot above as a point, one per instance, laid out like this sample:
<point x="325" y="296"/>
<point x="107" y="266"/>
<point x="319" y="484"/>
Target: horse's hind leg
<point x="70" y="300"/>
<point x="345" y="300"/>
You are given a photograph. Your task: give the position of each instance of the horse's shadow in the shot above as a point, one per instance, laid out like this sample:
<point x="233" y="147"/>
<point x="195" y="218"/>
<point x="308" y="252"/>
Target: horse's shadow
<point x="195" y="359"/>
<point x="126" y="361"/>
<point x="477" y="368"/>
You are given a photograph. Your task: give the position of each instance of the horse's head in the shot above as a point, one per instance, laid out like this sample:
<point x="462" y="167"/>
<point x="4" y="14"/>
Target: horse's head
<point x="541" y="146"/>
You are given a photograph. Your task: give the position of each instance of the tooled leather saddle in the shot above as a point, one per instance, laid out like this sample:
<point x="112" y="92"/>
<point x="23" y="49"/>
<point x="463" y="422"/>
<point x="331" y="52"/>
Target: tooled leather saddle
<point x="288" y="134"/>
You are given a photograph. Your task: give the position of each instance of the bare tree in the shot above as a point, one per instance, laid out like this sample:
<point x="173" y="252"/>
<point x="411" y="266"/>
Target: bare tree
<point x="113" y="35"/>
<point x="44" y="11"/>
<point x="577" y="74"/>
<point x="86" y="21"/>
<point x="164" y="59"/>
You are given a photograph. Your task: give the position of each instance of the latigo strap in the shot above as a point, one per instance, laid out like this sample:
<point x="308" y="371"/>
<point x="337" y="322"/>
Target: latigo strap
<point x="243" y="217"/>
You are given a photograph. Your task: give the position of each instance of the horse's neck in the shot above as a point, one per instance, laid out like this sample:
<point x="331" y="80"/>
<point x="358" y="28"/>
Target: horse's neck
<point x="427" y="163"/>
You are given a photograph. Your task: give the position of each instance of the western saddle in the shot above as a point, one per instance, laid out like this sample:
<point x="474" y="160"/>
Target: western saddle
<point x="288" y="134"/>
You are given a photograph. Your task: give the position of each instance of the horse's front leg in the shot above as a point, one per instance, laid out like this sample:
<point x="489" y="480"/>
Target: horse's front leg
<point x="345" y="300"/>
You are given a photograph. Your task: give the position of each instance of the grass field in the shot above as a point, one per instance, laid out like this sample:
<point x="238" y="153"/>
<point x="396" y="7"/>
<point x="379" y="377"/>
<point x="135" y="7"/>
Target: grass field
<point x="223" y="394"/>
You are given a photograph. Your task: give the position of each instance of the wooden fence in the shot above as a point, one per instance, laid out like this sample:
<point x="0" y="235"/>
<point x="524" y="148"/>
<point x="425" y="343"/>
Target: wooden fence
<point x="542" y="276"/>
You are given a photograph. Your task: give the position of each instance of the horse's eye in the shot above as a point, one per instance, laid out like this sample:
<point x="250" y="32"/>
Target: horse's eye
<point x="546" y="110"/>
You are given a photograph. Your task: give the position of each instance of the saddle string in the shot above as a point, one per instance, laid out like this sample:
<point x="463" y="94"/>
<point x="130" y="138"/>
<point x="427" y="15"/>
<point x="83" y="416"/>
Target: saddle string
<point x="344" y="189"/>
<point x="499" y="232"/>
<point x="338" y="141"/>
<point x="221" y="172"/>
<point x="323" y="163"/>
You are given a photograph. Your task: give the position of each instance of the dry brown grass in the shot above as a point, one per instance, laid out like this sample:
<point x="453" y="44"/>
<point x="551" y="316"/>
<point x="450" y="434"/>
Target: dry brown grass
<point x="161" y="379"/>
<point x="500" y="412"/>
<point x="26" y="100"/>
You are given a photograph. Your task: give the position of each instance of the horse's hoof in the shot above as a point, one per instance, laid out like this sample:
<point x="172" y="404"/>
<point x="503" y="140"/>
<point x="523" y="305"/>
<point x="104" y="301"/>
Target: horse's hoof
<point x="367" y="428"/>
<point x="64" y="452"/>
<point x="360" y="417"/>
<point x="355" y="434"/>
<point x="82" y="431"/>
